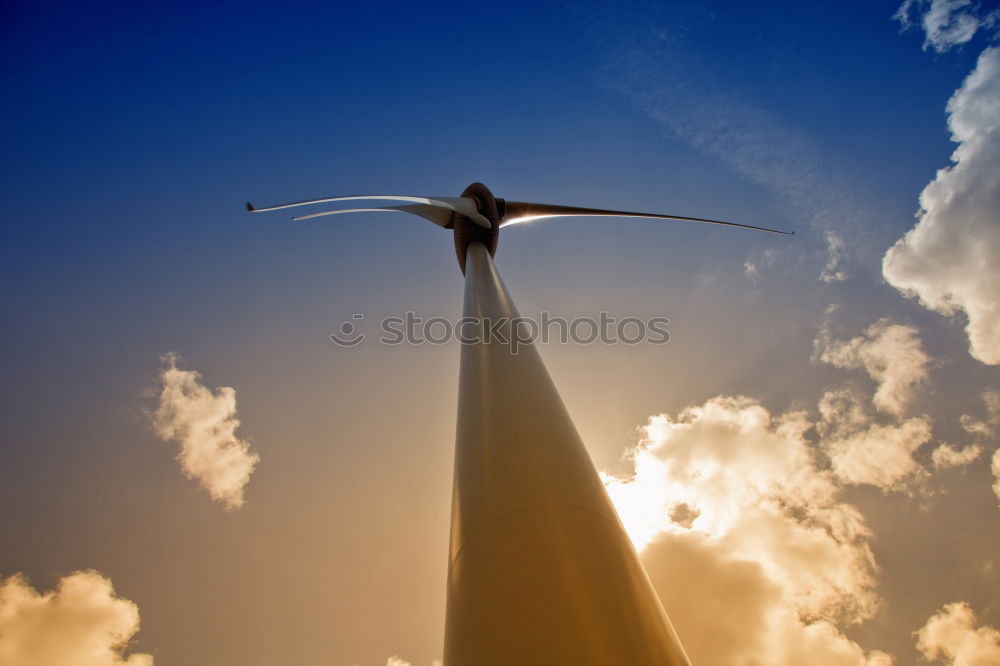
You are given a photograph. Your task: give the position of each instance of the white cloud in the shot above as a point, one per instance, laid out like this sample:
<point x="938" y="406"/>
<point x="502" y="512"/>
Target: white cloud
<point x="841" y="411"/>
<point x="946" y="23"/>
<point x="950" y="260"/>
<point x="891" y="354"/>
<point x="880" y="456"/>
<point x="864" y="452"/>
<point x="80" y="623"/>
<point x="975" y="426"/>
<point x="204" y="425"/>
<point x="995" y="468"/>
<point x="946" y="456"/>
<point x="832" y="270"/>
<point x="952" y="634"/>
<point x="985" y="427"/>
<point x="397" y="661"/>
<point x="753" y="268"/>
<point x="747" y="538"/>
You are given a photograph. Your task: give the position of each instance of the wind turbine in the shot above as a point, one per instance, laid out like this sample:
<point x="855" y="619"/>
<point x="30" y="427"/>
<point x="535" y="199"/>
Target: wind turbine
<point x="540" y="569"/>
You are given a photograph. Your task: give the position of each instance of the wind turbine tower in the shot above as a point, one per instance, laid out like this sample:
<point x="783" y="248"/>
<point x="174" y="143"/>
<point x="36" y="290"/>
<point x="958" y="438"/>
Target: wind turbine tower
<point x="540" y="568"/>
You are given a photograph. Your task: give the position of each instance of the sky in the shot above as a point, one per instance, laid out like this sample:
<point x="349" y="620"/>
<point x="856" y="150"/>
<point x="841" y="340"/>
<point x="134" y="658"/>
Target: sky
<point x="192" y="472"/>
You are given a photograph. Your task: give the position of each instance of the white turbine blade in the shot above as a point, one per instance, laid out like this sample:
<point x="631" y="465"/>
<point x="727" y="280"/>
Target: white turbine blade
<point x="461" y="205"/>
<point x="439" y="216"/>
<point x="346" y="210"/>
<point x="520" y="211"/>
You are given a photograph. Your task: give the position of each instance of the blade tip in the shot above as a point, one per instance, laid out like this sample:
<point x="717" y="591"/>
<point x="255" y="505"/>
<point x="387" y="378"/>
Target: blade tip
<point x="250" y="207"/>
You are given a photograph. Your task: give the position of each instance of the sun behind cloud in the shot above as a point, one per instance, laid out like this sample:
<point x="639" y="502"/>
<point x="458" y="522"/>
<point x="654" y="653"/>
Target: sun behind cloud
<point x="756" y="557"/>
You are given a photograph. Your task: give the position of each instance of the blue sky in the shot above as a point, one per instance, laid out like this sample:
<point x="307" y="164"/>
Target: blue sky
<point x="136" y="132"/>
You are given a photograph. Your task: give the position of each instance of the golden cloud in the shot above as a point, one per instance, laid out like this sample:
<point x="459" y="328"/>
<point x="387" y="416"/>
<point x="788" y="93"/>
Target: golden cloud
<point x="204" y="425"/>
<point x="891" y="354"/>
<point x="747" y="539"/>
<point x="952" y="634"/>
<point x="80" y="623"/>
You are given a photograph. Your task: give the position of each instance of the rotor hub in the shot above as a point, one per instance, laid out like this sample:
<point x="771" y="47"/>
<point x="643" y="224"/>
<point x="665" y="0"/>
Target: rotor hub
<point x="467" y="231"/>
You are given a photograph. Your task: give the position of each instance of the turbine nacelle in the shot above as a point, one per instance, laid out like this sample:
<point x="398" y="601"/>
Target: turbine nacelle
<point x="468" y="231"/>
<point x="477" y="215"/>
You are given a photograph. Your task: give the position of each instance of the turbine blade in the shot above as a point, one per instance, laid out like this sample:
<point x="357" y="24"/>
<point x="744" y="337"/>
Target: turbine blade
<point x="522" y="211"/>
<point x="439" y="216"/>
<point x="461" y="205"/>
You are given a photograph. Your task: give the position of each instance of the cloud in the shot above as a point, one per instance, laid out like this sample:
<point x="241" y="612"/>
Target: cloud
<point x="881" y="456"/>
<point x="397" y="661"/>
<point x="727" y="610"/>
<point x="952" y="634"/>
<point x="995" y="468"/>
<point x="864" y="452"/>
<point x="747" y="538"/>
<point x="985" y="429"/>
<point x="204" y="425"/>
<point x="750" y="271"/>
<point x="950" y="260"/>
<point x="80" y="623"/>
<point x="987" y="426"/>
<point x="860" y="449"/>
<point x="946" y="456"/>
<point x="832" y="270"/>
<point x="891" y="354"/>
<point x="752" y="267"/>
<point x="946" y="23"/>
